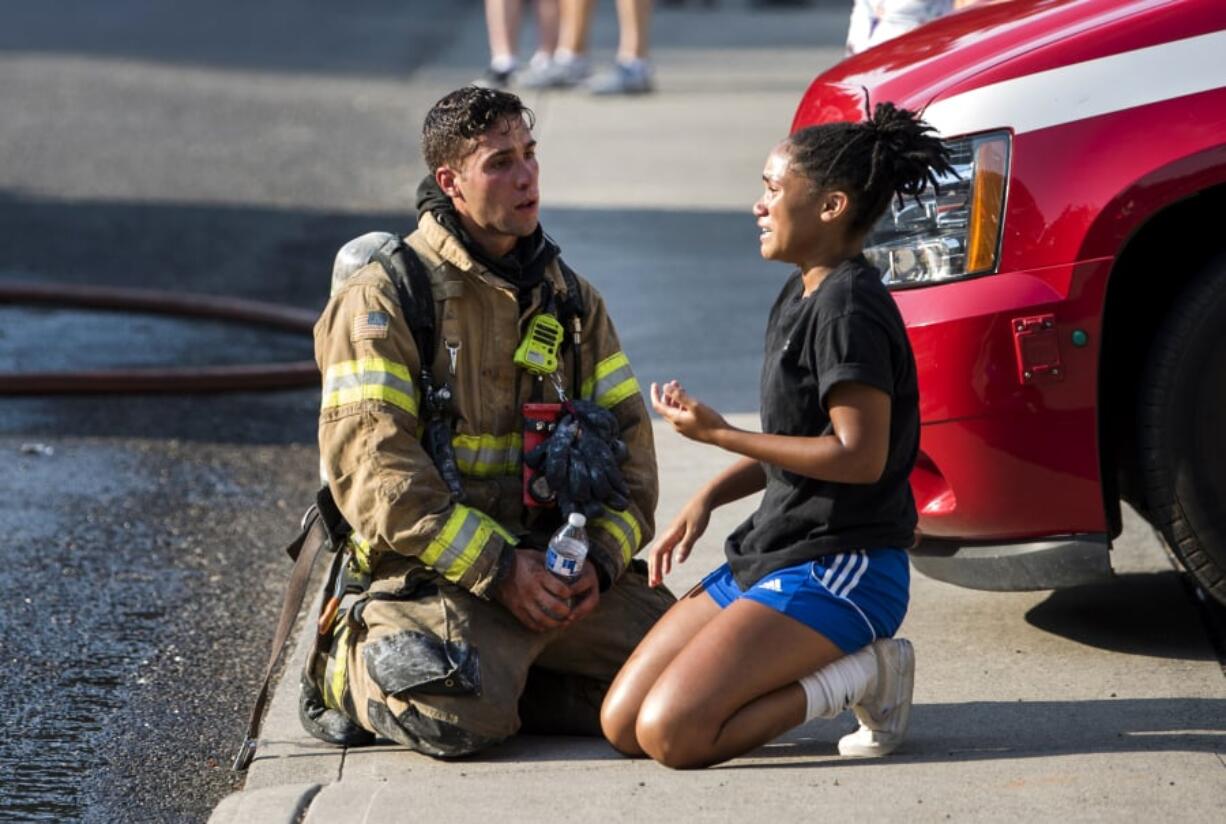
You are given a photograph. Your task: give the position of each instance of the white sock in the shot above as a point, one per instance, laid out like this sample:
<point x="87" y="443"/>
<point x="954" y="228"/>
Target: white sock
<point x="503" y="63"/>
<point x="839" y="685"/>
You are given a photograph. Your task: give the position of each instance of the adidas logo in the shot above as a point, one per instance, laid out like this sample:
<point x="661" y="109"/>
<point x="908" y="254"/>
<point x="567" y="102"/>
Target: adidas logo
<point x="774" y="585"/>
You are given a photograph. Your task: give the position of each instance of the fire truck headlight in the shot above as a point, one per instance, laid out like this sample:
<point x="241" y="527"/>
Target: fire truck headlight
<point x="954" y="234"/>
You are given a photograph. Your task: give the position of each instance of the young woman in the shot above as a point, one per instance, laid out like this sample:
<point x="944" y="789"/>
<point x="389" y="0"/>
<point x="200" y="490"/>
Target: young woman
<point x="799" y="622"/>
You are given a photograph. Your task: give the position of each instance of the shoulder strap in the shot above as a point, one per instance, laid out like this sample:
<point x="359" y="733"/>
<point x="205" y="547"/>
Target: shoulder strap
<point x="416" y="297"/>
<point x="572" y="302"/>
<point x="317" y="534"/>
<point x="572" y="311"/>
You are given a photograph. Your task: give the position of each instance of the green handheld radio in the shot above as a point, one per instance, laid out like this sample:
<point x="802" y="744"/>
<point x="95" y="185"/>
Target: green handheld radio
<point x="538" y="351"/>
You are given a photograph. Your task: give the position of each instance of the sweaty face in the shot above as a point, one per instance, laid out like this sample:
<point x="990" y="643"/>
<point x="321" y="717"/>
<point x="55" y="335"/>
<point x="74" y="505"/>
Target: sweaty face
<point x="788" y="212"/>
<point x="497" y="188"/>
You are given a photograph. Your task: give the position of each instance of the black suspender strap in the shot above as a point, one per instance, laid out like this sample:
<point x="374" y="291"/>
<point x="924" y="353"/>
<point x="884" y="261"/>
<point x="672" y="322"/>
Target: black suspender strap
<point x="572" y="313"/>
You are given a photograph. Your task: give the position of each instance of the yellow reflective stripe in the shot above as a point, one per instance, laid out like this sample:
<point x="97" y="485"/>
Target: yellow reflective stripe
<point x="624" y="528"/>
<point x="371" y="393"/>
<point x="360" y="547"/>
<point x="486" y="456"/>
<point x="612" y="382"/>
<point x="461" y="541"/>
<point x="369" y="379"/>
<point x="485" y="528"/>
<point x="446" y="535"/>
<point x="338" y="663"/>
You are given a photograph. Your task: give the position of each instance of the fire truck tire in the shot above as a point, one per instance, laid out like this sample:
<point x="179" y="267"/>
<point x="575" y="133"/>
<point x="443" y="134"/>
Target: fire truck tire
<point x="1181" y="431"/>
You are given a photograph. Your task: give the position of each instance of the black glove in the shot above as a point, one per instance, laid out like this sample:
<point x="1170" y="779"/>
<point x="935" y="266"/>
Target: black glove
<point x="596" y="418"/>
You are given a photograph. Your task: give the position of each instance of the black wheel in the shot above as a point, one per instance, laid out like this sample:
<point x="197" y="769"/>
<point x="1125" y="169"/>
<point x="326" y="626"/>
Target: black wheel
<point x="1182" y="429"/>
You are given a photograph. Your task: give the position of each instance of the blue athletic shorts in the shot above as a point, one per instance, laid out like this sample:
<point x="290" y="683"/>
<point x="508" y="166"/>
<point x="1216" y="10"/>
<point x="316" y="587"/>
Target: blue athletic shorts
<point x="851" y="597"/>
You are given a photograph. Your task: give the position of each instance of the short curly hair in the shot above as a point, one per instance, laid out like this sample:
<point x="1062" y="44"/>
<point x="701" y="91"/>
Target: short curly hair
<point x="454" y="123"/>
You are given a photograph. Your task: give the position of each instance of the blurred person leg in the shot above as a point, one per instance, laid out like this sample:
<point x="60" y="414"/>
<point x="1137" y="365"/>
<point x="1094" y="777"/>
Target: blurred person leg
<point x="502" y="18"/>
<point x="570" y="65"/>
<point x="541" y="68"/>
<point x="548" y="26"/>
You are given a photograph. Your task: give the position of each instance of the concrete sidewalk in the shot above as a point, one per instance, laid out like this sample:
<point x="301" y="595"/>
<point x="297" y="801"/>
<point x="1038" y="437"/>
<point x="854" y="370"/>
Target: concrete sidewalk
<point x="1028" y="705"/>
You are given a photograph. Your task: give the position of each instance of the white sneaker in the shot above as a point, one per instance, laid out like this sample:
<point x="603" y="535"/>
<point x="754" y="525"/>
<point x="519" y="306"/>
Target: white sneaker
<point x="624" y="78"/>
<point x="556" y="74"/>
<point x="884" y="715"/>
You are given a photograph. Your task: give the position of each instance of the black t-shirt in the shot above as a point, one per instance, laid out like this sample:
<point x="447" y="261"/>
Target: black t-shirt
<point x="849" y="329"/>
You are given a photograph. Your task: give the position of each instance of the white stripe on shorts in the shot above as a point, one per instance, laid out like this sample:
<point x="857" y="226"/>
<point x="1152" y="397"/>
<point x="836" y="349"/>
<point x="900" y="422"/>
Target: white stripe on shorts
<point x="853" y="561"/>
<point x="832" y="569"/>
<point x="860" y="561"/>
<point x="859" y="574"/>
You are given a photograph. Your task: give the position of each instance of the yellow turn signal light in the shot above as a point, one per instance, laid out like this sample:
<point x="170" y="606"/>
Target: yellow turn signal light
<point x="987" y="203"/>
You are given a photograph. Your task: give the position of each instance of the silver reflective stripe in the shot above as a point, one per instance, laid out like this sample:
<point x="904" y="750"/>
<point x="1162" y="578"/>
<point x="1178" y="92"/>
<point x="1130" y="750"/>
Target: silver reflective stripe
<point x="490" y="456"/>
<point x="336" y="383"/>
<point x="459" y="543"/>
<point x="615" y="387"/>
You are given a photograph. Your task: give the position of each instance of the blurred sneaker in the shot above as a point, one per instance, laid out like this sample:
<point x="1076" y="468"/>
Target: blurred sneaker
<point x="884" y="714"/>
<point x="494" y="79"/>
<point x="632" y="77"/>
<point x="560" y="73"/>
<point x="499" y="72"/>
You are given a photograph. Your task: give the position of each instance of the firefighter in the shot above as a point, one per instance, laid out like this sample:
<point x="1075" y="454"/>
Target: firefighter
<point x="462" y="635"/>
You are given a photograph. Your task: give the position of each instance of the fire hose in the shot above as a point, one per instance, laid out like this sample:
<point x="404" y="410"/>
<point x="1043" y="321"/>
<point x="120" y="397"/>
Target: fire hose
<point x="180" y="379"/>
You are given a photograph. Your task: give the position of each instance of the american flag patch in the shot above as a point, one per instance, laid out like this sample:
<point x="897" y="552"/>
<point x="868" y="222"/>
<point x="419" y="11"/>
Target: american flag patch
<point x="369" y="325"/>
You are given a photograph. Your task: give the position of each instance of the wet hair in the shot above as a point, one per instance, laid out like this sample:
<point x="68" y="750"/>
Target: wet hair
<point x="892" y="153"/>
<point x="454" y="123"/>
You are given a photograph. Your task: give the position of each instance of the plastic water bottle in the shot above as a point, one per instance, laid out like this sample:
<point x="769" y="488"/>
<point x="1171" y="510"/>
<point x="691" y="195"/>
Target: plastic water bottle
<point x="567" y="550"/>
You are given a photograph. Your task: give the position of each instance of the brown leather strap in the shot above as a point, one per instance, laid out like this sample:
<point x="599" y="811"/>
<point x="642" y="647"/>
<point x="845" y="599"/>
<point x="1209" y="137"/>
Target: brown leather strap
<point x="305" y="549"/>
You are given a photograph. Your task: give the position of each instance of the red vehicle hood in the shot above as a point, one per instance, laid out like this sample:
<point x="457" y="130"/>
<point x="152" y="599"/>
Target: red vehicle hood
<point x="993" y="43"/>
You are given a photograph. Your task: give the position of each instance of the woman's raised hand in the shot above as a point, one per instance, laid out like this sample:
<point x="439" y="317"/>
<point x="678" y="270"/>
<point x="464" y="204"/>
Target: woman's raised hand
<point x="678" y="539"/>
<point x="689" y="416"/>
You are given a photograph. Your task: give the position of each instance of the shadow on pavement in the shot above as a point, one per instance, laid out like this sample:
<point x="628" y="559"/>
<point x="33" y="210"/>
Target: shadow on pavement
<point x="984" y="730"/>
<point x="1139" y="614"/>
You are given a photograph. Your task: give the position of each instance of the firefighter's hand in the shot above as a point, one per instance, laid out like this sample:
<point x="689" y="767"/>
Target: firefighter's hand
<point x="689" y="416"/>
<point x="584" y="593"/>
<point x="677" y="541"/>
<point x="532" y="594"/>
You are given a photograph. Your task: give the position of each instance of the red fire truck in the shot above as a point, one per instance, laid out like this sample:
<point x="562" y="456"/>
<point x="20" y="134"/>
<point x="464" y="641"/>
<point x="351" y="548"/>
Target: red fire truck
<point x="1066" y="293"/>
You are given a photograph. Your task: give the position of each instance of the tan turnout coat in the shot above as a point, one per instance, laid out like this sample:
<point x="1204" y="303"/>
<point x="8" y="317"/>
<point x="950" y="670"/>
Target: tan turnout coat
<point x="383" y="481"/>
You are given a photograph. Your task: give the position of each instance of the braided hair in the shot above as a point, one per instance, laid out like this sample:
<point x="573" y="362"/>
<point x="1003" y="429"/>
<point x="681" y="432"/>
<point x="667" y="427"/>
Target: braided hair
<point x="892" y="153"/>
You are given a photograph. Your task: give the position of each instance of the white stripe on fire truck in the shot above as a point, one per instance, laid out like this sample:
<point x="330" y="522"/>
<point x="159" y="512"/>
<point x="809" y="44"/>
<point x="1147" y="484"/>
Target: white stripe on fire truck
<point x="1088" y="89"/>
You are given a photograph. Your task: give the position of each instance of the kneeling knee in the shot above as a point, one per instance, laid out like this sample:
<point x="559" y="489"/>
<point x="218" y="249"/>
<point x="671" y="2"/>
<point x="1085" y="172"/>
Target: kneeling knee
<point x="670" y="737"/>
<point x="617" y="724"/>
<point x="430" y="736"/>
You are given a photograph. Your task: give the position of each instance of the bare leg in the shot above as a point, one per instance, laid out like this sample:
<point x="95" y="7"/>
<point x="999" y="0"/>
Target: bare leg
<point x="547" y="23"/>
<point x="731" y="688"/>
<point x="576" y="23"/>
<point x="634" y="27"/>
<point x="655" y="652"/>
<point x="502" y="22"/>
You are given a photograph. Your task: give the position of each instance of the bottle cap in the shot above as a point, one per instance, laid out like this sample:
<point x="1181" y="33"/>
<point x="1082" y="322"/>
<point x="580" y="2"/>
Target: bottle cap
<point x="576" y="519"/>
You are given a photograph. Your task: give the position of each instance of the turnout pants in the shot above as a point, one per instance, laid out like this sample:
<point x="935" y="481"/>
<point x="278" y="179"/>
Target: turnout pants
<point x="449" y="674"/>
